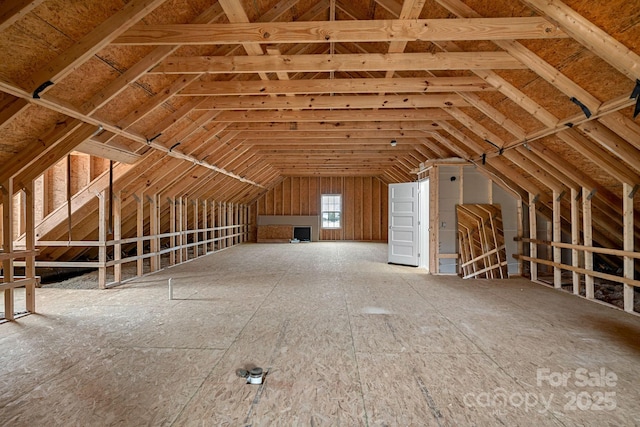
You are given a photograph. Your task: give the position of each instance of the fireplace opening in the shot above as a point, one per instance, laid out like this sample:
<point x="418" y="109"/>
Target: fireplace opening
<point x="303" y="234"/>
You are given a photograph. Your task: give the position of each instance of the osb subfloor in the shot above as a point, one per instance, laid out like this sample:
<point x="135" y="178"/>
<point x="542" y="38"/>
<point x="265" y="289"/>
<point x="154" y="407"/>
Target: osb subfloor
<point x="348" y="340"/>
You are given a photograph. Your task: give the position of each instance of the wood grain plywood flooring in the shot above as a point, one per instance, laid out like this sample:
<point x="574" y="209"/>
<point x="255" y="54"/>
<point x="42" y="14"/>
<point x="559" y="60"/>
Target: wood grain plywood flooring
<point x="347" y="339"/>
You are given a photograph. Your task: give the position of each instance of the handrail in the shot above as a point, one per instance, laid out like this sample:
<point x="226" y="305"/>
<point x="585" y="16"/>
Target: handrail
<point x="613" y="278"/>
<point x="594" y="249"/>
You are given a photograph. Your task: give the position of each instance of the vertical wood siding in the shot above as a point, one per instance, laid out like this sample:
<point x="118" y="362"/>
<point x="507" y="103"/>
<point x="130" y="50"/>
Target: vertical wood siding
<point x="364" y="204"/>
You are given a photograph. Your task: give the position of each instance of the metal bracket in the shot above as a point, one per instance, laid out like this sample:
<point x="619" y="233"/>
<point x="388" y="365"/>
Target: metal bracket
<point x="591" y="194"/>
<point x="636" y="95"/>
<point x="43" y="86"/>
<point x="634" y="191"/>
<point x="578" y="194"/>
<point x="583" y="107"/>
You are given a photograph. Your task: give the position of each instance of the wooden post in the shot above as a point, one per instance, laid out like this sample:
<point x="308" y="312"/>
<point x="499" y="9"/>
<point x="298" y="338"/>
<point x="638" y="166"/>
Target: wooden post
<point x="102" y="239"/>
<point x="587" y="232"/>
<point x="139" y="233"/>
<point x="223" y="223"/>
<point x="117" y="235"/>
<point x="185" y="229"/>
<point x="575" y="239"/>
<point x="196" y="227"/>
<point x="205" y="232"/>
<point x="30" y="240"/>
<point x="628" y="193"/>
<point x="212" y="211"/>
<point x="230" y="222"/>
<point x="172" y="230"/>
<point x="520" y="235"/>
<point x="533" y="234"/>
<point x="243" y="221"/>
<point x="180" y="207"/>
<point x="7" y="245"/>
<point x="154" y="228"/>
<point x="557" y="238"/>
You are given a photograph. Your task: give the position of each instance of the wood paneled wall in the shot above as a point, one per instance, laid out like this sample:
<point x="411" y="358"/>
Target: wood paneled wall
<point x="364" y="204"/>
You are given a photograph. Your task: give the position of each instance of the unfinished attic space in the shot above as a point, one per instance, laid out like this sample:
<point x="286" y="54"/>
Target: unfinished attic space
<point x="320" y="212"/>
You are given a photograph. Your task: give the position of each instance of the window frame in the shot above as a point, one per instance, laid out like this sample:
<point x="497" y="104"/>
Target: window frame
<point x="323" y="211"/>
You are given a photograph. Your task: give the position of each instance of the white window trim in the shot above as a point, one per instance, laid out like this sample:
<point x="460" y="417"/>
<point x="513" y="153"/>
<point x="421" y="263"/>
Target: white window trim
<point x="323" y="211"/>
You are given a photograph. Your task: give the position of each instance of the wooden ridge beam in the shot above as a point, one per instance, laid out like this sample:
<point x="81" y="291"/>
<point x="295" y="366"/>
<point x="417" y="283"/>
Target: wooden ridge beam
<point x="395" y="30"/>
<point x="325" y="102"/>
<point x="324" y="86"/>
<point x="342" y="62"/>
<point x="332" y="116"/>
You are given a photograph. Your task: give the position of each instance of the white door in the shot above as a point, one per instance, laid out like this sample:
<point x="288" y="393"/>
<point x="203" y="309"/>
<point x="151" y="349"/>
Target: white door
<point x="403" y="223"/>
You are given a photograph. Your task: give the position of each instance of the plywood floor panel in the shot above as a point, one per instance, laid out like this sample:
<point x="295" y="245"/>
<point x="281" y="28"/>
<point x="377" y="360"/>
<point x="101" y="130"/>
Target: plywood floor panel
<point x="347" y="338"/>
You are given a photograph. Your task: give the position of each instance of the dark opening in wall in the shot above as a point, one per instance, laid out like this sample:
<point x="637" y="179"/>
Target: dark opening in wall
<point x="302" y="233"/>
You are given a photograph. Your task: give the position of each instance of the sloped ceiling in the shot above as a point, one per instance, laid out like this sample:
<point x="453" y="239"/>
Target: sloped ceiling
<point x="535" y="93"/>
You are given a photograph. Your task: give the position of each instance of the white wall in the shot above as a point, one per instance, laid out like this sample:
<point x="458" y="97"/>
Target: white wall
<point x="470" y="186"/>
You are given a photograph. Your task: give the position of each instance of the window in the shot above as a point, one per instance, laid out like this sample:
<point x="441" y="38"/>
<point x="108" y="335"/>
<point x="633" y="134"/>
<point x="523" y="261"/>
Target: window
<point x="331" y="210"/>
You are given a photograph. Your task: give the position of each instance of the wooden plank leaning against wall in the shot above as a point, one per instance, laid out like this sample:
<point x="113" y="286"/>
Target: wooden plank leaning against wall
<point x="364" y="204"/>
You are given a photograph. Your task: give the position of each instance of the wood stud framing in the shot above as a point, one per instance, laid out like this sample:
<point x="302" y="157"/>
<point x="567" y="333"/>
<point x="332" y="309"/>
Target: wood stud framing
<point x="232" y="107"/>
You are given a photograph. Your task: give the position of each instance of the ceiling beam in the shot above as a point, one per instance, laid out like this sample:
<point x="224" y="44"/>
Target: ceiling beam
<point x="35" y="150"/>
<point x="530" y="59"/>
<point x="324" y="102"/>
<point x="243" y="32"/>
<point x="11" y="109"/>
<point x="133" y="73"/>
<point x="329" y="127"/>
<point x="354" y="134"/>
<point x="316" y="142"/>
<point x="65" y="108"/>
<point x="69" y="60"/>
<point x="599" y="156"/>
<point x="609" y="140"/>
<point x="324" y="86"/>
<point x="345" y="62"/>
<point x="333" y="116"/>
<point x="590" y="36"/>
<point x="107" y="151"/>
